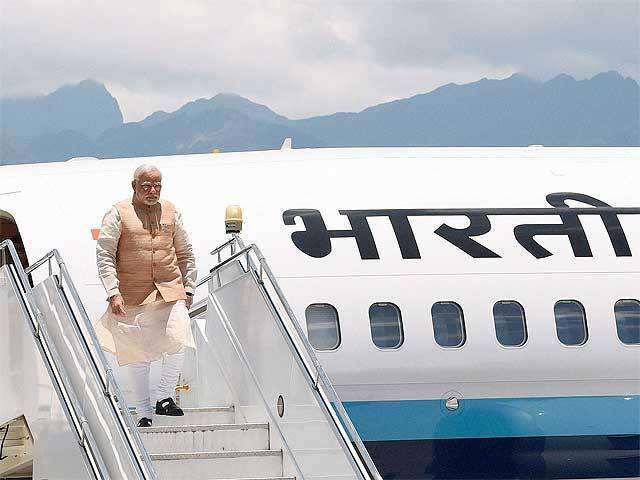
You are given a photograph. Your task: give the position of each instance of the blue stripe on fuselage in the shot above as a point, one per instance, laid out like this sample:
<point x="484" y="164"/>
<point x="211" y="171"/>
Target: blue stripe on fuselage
<point x="496" y="417"/>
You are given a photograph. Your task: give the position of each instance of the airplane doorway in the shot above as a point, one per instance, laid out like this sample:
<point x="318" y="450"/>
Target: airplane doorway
<point x="9" y="230"/>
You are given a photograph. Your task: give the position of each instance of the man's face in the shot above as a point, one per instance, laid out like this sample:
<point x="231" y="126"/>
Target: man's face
<point x="147" y="187"/>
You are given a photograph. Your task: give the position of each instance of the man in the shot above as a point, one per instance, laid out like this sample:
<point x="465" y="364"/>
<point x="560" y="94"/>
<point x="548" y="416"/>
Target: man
<point x="146" y="264"/>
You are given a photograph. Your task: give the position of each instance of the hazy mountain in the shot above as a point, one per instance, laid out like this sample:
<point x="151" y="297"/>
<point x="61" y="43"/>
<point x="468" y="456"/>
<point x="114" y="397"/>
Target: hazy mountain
<point x="57" y="126"/>
<point x="604" y="110"/>
<point x="86" y="108"/>
<point x="85" y="120"/>
<point x="49" y="147"/>
<point x="222" y="101"/>
<point x="229" y="123"/>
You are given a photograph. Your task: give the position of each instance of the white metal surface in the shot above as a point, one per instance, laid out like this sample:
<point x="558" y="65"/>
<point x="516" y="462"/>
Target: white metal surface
<point x="27" y="390"/>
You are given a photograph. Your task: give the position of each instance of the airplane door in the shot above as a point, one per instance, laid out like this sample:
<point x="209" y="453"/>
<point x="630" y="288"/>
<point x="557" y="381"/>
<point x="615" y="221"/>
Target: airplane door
<point x="9" y="228"/>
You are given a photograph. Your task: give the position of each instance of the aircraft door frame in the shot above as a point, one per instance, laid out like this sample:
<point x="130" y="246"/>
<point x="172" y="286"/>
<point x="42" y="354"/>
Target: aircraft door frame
<point x="9" y="202"/>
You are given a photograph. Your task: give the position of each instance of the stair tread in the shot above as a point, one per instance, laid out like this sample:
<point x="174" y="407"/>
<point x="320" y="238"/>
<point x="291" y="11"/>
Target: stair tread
<point x="218" y="454"/>
<point x="261" y="478"/>
<point x="206" y="415"/>
<point x="204" y="428"/>
<point x="214" y="408"/>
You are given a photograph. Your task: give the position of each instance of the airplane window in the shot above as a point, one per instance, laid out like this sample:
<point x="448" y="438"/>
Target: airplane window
<point x="323" y="327"/>
<point x="386" y="325"/>
<point x="628" y="321"/>
<point x="511" y="328"/>
<point x="448" y="324"/>
<point x="571" y="322"/>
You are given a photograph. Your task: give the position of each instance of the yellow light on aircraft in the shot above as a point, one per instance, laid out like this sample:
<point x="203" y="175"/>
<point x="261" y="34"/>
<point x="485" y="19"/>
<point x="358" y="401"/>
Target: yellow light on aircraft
<point x="233" y="219"/>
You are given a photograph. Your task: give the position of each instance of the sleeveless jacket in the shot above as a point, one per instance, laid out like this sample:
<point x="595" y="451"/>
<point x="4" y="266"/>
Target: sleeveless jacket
<point x="146" y="260"/>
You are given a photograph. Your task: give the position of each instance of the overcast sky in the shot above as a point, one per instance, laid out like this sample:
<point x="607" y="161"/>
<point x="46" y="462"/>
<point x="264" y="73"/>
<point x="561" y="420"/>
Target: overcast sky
<point x="304" y="58"/>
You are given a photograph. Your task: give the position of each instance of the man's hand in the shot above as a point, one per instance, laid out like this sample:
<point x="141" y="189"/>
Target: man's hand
<point x="117" y="306"/>
<point x="189" y="301"/>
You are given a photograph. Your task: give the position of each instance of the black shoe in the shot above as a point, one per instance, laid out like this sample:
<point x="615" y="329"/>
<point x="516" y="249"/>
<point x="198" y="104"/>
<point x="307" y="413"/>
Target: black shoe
<point x="168" y="407"/>
<point x="144" y="422"/>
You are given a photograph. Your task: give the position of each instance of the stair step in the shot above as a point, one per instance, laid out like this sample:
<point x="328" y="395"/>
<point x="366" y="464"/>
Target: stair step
<point x="206" y="438"/>
<point x="260" y="478"/>
<point x="198" y="416"/>
<point x="218" y="465"/>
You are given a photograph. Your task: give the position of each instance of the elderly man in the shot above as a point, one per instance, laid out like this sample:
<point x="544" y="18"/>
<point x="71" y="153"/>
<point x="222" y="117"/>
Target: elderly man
<point x="147" y="267"/>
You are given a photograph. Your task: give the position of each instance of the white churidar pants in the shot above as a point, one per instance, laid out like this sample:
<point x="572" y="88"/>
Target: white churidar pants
<point x="139" y="375"/>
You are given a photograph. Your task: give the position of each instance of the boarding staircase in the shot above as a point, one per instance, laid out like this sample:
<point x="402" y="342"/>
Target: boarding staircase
<point x="258" y="404"/>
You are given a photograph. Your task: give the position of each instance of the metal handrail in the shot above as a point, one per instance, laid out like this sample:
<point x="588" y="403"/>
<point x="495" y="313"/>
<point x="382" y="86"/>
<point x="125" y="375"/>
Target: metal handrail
<point x="227" y="261"/>
<point x="135" y="448"/>
<point x="223" y="246"/>
<point x="320" y="381"/>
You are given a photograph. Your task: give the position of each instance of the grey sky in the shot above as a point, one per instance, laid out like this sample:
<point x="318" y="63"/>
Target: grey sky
<point x="304" y="58"/>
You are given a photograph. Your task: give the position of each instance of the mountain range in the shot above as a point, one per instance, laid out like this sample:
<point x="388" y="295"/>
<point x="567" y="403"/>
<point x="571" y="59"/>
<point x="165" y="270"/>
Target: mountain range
<point x="85" y="120"/>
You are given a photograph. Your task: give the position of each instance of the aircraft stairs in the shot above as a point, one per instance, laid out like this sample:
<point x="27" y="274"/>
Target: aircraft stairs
<point x="257" y="403"/>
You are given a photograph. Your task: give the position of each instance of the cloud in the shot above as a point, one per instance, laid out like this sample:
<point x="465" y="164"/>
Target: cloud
<point x="304" y="58"/>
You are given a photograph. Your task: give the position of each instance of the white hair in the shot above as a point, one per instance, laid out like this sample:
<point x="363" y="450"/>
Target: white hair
<point x="144" y="169"/>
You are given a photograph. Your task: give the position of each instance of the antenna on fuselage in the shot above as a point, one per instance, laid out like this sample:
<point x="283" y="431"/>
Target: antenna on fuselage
<point x="286" y="145"/>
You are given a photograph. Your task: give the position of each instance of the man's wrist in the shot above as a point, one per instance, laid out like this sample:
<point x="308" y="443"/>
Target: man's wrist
<point x="113" y="292"/>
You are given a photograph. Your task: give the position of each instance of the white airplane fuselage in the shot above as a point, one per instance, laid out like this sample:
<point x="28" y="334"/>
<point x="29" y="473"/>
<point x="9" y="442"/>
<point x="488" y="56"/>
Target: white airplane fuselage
<point x="404" y="230"/>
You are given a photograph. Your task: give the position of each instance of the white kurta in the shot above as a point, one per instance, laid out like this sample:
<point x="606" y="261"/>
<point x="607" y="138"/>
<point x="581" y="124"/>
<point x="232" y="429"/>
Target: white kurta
<point x="148" y="330"/>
